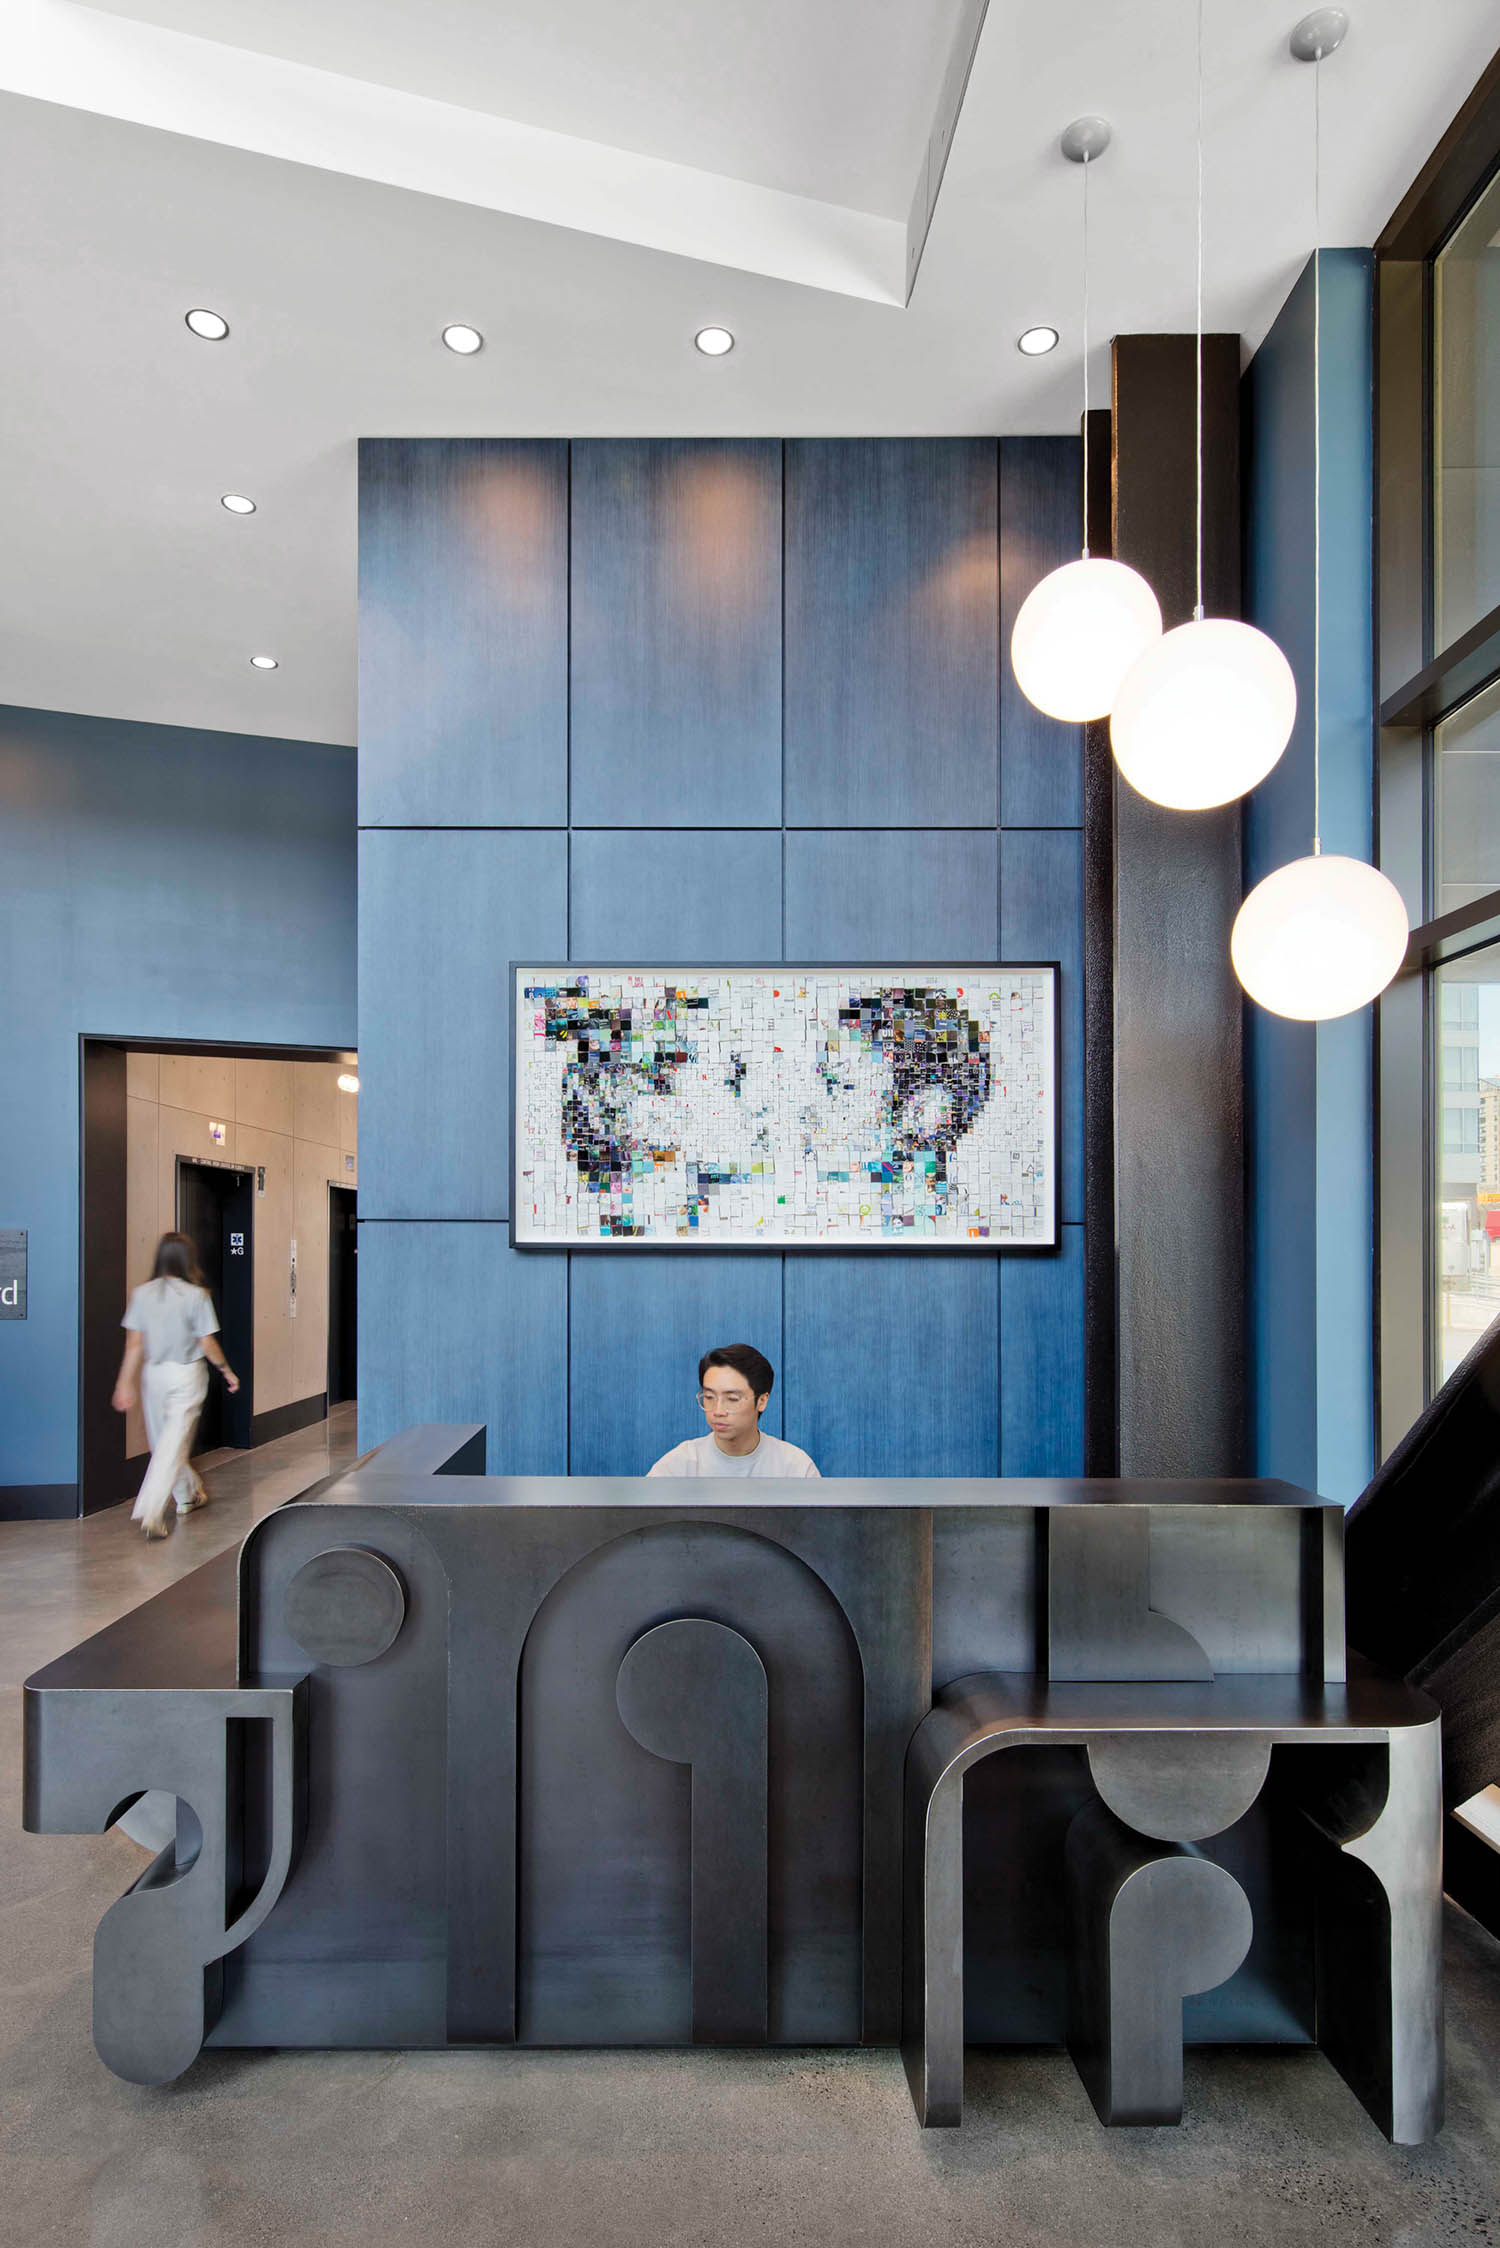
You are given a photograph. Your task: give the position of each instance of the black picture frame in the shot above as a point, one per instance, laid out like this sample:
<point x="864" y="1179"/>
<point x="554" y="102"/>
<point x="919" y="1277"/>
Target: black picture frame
<point x="588" y="1245"/>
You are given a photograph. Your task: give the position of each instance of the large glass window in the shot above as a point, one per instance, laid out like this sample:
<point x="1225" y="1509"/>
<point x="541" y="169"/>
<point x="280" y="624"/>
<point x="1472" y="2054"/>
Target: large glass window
<point x="1467" y="770"/>
<point x="1466" y="1196"/>
<point x="1466" y="422"/>
<point x="1437" y="1120"/>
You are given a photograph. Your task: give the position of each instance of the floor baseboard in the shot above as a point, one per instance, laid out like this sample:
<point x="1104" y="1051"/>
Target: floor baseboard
<point x="285" y="1420"/>
<point x="38" y="1502"/>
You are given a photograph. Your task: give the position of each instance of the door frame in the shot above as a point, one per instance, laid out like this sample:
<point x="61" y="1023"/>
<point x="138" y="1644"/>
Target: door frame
<point x="105" y="1475"/>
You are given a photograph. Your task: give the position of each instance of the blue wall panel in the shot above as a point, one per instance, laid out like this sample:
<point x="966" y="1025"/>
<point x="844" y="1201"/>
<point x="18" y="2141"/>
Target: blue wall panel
<point x="892" y="632"/>
<point x="1041" y="918"/>
<point x="673" y="840"/>
<point x="442" y="915"/>
<point x="455" y="1325"/>
<point x="463" y="633"/>
<point x="675" y="897"/>
<point x="859" y="895"/>
<point x="1041" y="527"/>
<point x="1041" y="1361"/>
<point x="676" y="649"/>
<point x="155" y="883"/>
<point x="890" y="1363"/>
<point x="637" y="1327"/>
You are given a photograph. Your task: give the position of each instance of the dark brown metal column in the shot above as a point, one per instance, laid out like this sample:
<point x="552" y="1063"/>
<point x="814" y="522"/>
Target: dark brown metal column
<point x="1179" y="1084"/>
<point x="1101" y="1401"/>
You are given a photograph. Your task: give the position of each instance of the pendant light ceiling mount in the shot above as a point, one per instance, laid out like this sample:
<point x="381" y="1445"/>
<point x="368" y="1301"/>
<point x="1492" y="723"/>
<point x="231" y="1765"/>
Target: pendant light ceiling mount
<point x="1086" y="139"/>
<point x="1322" y="33"/>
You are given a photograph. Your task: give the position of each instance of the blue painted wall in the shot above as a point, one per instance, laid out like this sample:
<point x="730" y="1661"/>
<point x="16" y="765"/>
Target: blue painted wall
<point x="1309" y="1089"/>
<point x="787" y="732"/>
<point x="154" y="883"/>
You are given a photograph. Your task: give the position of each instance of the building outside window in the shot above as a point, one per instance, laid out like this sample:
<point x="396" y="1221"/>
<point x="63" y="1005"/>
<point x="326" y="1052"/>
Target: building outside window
<point x="1466" y="1185"/>
<point x="1438" y="790"/>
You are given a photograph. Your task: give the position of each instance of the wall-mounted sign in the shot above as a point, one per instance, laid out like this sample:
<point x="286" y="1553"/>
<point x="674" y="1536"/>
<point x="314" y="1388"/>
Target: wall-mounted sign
<point x="260" y="1178"/>
<point x="348" y="1163"/>
<point x="218" y="1134"/>
<point x="785" y="1107"/>
<point x="12" y="1272"/>
<point x="236" y="1244"/>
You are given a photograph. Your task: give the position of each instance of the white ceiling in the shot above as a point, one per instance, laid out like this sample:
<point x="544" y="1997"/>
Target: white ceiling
<point x="127" y="591"/>
<point x="825" y="98"/>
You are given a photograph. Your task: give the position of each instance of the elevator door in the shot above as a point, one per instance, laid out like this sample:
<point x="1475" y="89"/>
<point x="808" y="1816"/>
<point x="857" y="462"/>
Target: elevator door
<point x="215" y="1209"/>
<point x="342" y="1293"/>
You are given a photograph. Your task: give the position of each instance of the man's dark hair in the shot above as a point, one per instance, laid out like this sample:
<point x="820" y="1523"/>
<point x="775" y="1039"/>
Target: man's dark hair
<point x="741" y="1358"/>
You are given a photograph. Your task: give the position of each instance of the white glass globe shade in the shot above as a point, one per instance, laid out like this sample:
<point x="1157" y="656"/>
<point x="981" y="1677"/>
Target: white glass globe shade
<point x="1077" y="635"/>
<point x="1204" y="714"/>
<point x="1319" y="938"/>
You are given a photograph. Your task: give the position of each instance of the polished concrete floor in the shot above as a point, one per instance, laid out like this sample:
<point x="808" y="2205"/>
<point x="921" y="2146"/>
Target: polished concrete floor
<point x="678" y="2149"/>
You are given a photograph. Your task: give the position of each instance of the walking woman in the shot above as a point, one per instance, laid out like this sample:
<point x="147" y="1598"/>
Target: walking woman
<point x="170" y="1330"/>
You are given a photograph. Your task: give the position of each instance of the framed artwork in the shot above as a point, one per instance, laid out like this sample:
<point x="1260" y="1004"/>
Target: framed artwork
<point x="822" y="1107"/>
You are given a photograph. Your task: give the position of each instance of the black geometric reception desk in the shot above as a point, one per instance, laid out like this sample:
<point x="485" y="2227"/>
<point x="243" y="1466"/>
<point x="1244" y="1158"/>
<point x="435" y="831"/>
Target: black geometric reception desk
<point x="464" y="1760"/>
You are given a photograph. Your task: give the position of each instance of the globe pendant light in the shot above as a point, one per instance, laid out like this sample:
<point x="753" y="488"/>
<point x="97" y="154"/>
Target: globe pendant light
<point x="1082" y="627"/>
<point x="1203" y="713"/>
<point x="1325" y="935"/>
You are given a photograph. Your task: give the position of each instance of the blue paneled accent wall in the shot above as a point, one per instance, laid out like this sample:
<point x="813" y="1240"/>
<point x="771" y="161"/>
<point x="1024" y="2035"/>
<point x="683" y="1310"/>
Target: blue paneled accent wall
<point x="699" y="700"/>
<point x="156" y="882"/>
<point x="1309" y="1089"/>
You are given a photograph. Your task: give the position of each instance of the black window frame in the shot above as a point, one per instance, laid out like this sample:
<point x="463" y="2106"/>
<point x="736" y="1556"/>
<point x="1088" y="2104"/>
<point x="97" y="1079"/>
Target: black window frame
<point x="1418" y="685"/>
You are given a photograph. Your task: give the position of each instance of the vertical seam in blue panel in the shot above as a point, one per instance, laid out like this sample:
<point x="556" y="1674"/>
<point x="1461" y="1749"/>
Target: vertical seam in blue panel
<point x="568" y="938"/>
<point x="568" y="654"/>
<point x="999" y="638"/>
<point x="782" y="785"/>
<point x="1000" y="944"/>
<point x="999" y="1365"/>
<point x="781" y="1260"/>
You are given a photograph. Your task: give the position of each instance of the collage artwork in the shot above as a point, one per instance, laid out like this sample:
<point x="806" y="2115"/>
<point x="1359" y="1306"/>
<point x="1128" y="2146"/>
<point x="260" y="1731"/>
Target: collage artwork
<point x="784" y="1107"/>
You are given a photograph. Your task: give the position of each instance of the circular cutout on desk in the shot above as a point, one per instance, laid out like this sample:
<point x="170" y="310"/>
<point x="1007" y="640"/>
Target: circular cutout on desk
<point x="345" y="1606"/>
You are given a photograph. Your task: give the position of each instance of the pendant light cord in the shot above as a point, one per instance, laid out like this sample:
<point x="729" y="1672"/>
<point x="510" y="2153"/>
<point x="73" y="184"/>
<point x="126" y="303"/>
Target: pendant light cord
<point x="1085" y="358"/>
<point x="1317" y="453"/>
<point x="1198" y="329"/>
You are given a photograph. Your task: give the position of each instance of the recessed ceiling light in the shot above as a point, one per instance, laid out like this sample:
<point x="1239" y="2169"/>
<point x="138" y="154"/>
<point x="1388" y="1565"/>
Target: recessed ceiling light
<point x="264" y="663"/>
<point x="714" y="342"/>
<point x="237" y="503"/>
<point x="211" y="326"/>
<point x="465" y="341"/>
<point x="1035" y="341"/>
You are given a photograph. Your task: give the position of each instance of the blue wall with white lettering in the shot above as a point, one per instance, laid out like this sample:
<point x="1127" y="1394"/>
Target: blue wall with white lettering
<point x="1309" y="1089"/>
<point x="155" y="883"/>
<point x="716" y="700"/>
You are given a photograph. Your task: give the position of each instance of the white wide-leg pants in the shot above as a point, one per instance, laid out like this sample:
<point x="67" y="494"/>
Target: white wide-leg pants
<point x="171" y="1398"/>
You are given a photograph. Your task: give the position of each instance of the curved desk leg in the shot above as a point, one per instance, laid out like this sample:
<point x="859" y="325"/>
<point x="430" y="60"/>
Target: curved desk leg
<point x="157" y="1985"/>
<point x="932" y="2046"/>
<point x="1380" y="1941"/>
<point x="1149" y="1924"/>
<point x="695" y="1692"/>
<point x="158" y="1949"/>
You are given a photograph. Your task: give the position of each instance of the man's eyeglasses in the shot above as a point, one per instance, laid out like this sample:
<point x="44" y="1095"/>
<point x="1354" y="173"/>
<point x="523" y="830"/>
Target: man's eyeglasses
<point x="707" y="1397"/>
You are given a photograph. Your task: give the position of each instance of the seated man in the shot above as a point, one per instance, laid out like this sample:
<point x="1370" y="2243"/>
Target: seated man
<point x="734" y="1389"/>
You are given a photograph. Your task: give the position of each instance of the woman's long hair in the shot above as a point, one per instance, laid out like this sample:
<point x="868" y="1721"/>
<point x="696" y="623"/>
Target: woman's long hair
<point x="176" y="1259"/>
